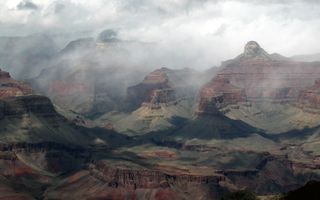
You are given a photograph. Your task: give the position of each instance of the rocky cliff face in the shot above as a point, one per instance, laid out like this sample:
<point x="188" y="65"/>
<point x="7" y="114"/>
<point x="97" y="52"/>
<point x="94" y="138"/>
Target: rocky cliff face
<point x="154" y="90"/>
<point x="17" y="106"/>
<point x="135" y="182"/>
<point x="29" y="118"/>
<point x="262" y="173"/>
<point x="86" y="86"/>
<point x="44" y="155"/>
<point x="219" y="93"/>
<point x="163" y="96"/>
<point x="26" y="169"/>
<point x="165" y="87"/>
<point x="310" y="97"/>
<point x="10" y="87"/>
<point x="254" y="79"/>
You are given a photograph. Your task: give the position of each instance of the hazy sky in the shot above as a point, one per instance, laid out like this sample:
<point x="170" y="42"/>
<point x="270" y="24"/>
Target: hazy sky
<point x="208" y="30"/>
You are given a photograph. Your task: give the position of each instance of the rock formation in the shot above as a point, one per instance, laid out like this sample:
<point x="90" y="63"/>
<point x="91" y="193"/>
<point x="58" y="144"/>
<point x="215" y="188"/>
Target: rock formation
<point x="154" y="90"/>
<point x="10" y="87"/>
<point x="310" y="97"/>
<point x="163" y="96"/>
<point x="219" y="93"/>
<point x="252" y="50"/>
<point x="254" y="79"/>
<point x="168" y="153"/>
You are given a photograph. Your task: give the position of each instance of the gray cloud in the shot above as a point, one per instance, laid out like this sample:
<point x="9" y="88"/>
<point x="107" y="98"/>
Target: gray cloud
<point x="200" y="33"/>
<point x="59" y="7"/>
<point x="27" y="5"/>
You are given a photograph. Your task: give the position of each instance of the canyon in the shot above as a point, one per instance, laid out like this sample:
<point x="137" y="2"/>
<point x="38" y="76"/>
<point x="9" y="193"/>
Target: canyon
<point x="86" y="132"/>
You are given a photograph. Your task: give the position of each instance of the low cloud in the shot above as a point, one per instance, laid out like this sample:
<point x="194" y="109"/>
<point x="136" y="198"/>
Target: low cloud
<point x="27" y="5"/>
<point x="200" y="33"/>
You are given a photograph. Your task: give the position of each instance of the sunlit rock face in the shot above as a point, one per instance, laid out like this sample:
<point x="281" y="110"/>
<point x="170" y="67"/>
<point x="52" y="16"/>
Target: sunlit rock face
<point x="10" y="87"/>
<point x="164" y="87"/>
<point x="256" y="79"/>
<point x="153" y="90"/>
<point x="158" y="102"/>
<point x="219" y="93"/>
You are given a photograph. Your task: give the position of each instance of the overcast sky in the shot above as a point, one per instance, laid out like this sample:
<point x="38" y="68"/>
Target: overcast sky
<point x="208" y="30"/>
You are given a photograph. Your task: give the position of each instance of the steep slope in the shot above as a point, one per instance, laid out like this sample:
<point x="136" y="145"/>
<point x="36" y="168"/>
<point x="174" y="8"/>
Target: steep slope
<point x="90" y="77"/>
<point x="37" y="144"/>
<point x="310" y="97"/>
<point x="264" y="91"/>
<point x="29" y="118"/>
<point x="164" y="86"/>
<point x="45" y="156"/>
<point x="160" y="101"/>
<point x="33" y="119"/>
<point x="10" y="87"/>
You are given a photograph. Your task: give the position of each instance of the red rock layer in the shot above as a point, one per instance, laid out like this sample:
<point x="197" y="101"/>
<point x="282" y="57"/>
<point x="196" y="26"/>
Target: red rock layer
<point x="62" y="88"/>
<point x="156" y="77"/>
<point x="255" y="78"/>
<point x="271" y="79"/>
<point x="155" y="89"/>
<point x="218" y="93"/>
<point x="311" y="96"/>
<point x="10" y="87"/>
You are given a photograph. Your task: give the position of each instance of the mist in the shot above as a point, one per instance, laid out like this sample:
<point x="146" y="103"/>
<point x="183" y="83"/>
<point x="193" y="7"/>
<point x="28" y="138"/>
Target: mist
<point x="198" y="34"/>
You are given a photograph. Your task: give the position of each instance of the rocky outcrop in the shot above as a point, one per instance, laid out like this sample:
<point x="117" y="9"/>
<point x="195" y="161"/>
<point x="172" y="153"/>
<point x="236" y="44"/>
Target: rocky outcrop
<point x="35" y="104"/>
<point x="256" y="76"/>
<point x="4" y="75"/>
<point x="17" y="100"/>
<point x="10" y="87"/>
<point x="219" y="93"/>
<point x="164" y="87"/>
<point x="107" y="181"/>
<point x="146" y="178"/>
<point x="34" y="119"/>
<point x="87" y="87"/>
<point x="120" y="179"/>
<point x="252" y="50"/>
<point x="27" y="169"/>
<point x="154" y="89"/>
<point x="310" y="97"/>
<point x="163" y="99"/>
